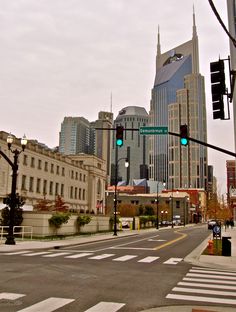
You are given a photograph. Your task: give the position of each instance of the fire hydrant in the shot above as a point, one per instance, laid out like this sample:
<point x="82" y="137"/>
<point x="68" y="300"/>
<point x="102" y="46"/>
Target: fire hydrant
<point x="210" y="247"/>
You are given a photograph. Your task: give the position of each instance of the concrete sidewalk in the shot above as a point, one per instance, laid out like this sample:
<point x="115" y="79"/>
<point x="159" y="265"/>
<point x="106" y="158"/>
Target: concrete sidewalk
<point x="195" y="258"/>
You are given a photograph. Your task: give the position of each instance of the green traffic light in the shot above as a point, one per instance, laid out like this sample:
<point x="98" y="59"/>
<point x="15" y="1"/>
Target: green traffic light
<point x="184" y="141"/>
<point x="119" y="142"/>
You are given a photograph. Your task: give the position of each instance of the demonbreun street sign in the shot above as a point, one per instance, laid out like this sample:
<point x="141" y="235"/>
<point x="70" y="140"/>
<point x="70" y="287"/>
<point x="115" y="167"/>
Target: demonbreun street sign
<point x="153" y="130"/>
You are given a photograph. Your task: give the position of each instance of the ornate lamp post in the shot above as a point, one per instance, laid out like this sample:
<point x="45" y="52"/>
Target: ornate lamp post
<point x="14" y="165"/>
<point x="185" y="206"/>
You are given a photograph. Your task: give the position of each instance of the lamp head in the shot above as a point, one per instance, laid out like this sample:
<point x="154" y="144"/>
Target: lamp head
<point x="23" y="142"/>
<point x="126" y="163"/>
<point x="10" y="140"/>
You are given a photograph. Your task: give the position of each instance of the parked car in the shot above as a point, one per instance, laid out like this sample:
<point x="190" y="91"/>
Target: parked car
<point x="211" y="223"/>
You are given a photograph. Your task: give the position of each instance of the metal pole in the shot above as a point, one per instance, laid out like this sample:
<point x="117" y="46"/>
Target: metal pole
<point x="10" y="237"/>
<point x="185" y="210"/>
<point x="115" y="198"/>
<point x="157" y="208"/>
<point x="172" y="210"/>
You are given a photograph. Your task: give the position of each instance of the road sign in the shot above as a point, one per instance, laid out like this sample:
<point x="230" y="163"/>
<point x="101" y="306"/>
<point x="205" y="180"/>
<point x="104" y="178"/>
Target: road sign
<point x="153" y="130"/>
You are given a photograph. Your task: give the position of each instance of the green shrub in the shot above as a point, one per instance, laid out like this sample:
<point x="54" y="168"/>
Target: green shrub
<point x="83" y="219"/>
<point x="58" y="219"/>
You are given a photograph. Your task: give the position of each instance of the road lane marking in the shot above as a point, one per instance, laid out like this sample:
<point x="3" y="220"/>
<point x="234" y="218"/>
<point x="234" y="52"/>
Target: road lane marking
<point x="16" y="253"/>
<point x="183" y="235"/>
<point x="132" y="248"/>
<point x="148" y="259"/>
<point x="83" y="254"/>
<point x="201" y="299"/>
<point x="10" y="296"/>
<point x="173" y="261"/>
<point x="205" y="285"/>
<point x="56" y="254"/>
<point x="157" y="240"/>
<point x="212" y="272"/>
<point x="204" y="291"/>
<point x="48" y="305"/>
<point x="106" y="306"/>
<point x="125" y="258"/>
<point x="205" y="280"/>
<point x="103" y="256"/>
<point x="211" y="276"/>
<point x="36" y="254"/>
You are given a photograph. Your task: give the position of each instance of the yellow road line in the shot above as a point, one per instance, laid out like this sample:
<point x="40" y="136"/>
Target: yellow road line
<point x="183" y="235"/>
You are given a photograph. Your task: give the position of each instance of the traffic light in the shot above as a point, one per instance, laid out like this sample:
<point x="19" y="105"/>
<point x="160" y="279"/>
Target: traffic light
<point x="184" y="135"/>
<point x="119" y="135"/>
<point x="218" y="88"/>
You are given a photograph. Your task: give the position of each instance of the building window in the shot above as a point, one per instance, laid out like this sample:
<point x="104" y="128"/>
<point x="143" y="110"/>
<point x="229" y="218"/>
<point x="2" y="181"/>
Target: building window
<point x="46" y="166"/>
<point x="71" y="192"/>
<point x="72" y="174"/>
<point x="83" y="195"/>
<point x="76" y="192"/>
<point x="51" y="188"/>
<point x="52" y="168"/>
<point x="32" y="162"/>
<point x="31" y="184"/>
<point x="62" y="189"/>
<point x="63" y="171"/>
<point x="25" y="160"/>
<point x="23" y="183"/>
<point x="177" y="204"/>
<point x="39" y="164"/>
<point x="58" y="170"/>
<point x="56" y="189"/>
<point x="80" y="176"/>
<point x="76" y="176"/>
<point x="79" y="193"/>
<point x="44" y="187"/>
<point x="38" y="185"/>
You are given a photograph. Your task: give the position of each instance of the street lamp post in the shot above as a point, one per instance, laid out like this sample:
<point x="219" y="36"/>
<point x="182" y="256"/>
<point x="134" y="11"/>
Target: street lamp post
<point x="185" y="205"/>
<point x="14" y="165"/>
<point x="116" y="181"/>
<point x="172" y="209"/>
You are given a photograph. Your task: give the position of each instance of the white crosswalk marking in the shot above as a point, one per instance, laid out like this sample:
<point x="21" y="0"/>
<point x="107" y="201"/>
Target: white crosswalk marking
<point x="35" y="254"/>
<point x="58" y="254"/>
<point x="10" y="296"/>
<point x="15" y="253"/>
<point x="173" y="261"/>
<point x="148" y="259"/>
<point x="106" y="306"/>
<point x="83" y="254"/>
<point x="216" y="286"/>
<point x="48" y="305"/>
<point x="125" y="258"/>
<point x="103" y="256"/>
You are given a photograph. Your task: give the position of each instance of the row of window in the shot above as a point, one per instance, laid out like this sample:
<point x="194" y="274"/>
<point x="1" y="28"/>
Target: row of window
<point x="52" y="168"/>
<point x="51" y="188"/>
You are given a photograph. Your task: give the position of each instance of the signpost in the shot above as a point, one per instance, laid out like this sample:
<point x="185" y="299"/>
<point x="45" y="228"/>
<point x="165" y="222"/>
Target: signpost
<point x="153" y="130"/>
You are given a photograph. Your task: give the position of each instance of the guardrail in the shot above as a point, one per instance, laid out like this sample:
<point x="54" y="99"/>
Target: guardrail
<point x="25" y="230"/>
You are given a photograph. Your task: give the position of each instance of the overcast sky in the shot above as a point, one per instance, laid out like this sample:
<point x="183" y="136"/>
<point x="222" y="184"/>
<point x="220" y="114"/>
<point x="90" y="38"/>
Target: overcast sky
<point x="65" y="57"/>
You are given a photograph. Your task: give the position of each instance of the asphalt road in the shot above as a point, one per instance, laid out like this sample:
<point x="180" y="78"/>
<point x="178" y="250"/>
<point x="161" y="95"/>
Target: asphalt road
<point x="128" y="274"/>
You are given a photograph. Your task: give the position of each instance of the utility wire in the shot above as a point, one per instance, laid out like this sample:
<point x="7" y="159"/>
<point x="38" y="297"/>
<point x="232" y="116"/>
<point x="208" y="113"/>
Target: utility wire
<point x="221" y="22"/>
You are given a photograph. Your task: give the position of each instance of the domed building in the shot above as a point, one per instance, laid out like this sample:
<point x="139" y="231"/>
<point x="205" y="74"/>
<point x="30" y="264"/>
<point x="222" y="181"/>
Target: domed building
<point x="135" y="146"/>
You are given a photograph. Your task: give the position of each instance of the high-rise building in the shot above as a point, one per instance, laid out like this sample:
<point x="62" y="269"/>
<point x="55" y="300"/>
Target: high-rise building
<point x="231" y="6"/>
<point x="74" y="137"/>
<point x="178" y="97"/>
<point x="102" y="139"/>
<point x="135" y="146"/>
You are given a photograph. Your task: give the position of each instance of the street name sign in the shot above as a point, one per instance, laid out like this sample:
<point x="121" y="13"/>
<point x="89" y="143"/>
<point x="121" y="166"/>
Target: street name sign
<point x="153" y="130"/>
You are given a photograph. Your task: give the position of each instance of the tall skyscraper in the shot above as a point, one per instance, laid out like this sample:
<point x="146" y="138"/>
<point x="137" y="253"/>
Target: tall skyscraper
<point x="74" y="137"/>
<point x="178" y="97"/>
<point x="135" y="145"/>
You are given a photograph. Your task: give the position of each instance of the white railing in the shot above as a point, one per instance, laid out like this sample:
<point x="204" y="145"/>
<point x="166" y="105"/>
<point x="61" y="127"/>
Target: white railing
<point x="24" y="230"/>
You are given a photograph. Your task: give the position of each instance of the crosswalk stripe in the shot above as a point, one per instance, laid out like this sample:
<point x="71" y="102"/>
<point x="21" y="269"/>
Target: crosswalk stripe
<point x="35" y="254"/>
<point x="83" y="254"/>
<point x="48" y="305"/>
<point x="10" y="296"/>
<point x="16" y="253"/>
<point x="125" y="258"/>
<point x="56" y="255"/>
<point x="173" y="261"/>
<point x="203" y="291"/>
<point x="202" y="299"/>
<point x="204" y="280"/>
<point x="211" y="276"/>
<point x="148" y="259"/>
<point x="103" y="256"/>
<point x="106" y="306"/>
<point x="205" y="285"/>
<point x="212" y="272"/>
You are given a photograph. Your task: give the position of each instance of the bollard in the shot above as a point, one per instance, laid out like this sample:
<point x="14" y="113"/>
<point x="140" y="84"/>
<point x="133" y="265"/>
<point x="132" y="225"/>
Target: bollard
<point x="210" y="247"/>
